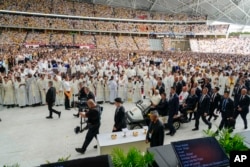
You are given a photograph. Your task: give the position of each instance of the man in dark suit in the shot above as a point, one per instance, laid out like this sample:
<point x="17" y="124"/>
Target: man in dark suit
<point x="242" y="106"/>
<point x="162" y="107"/>
<point x="189" y="104"/>
<point x="203" y="109"/>
<point x="180" y="85"/>
<point x="50" y="100"/>
<point x="226" y="109"/>
<point x="120" y="116"/>
<point x="160" y="86"/>
<point x="155" y="134"/>
<point x="173" y="107"/>
<point x="214" y="103"/>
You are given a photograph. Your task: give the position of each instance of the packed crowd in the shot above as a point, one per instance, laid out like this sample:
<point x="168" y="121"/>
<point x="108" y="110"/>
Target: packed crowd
<point x="221" y="45"/>
<point x="78" y="24"/>
<point x="90" y="10"/>
<point x="24" y="77"/>
<point x="218" y="45"/>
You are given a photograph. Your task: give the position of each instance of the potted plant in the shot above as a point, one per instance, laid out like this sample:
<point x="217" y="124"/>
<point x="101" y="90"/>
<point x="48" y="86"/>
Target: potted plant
<point x="133" y="158"/>
<point x="228" y="141"/>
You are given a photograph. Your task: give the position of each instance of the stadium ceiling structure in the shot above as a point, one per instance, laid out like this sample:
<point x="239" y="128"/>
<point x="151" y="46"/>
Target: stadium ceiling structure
<point x="230" y="11"/>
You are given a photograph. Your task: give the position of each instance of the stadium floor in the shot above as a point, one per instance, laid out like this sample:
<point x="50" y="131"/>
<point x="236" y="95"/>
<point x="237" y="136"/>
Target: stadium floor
<point x="27" y="138"/>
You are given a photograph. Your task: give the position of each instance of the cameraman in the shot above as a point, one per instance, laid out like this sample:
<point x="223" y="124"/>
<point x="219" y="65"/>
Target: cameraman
<point x="84" y="94"/>
<point x="94" y="121"/>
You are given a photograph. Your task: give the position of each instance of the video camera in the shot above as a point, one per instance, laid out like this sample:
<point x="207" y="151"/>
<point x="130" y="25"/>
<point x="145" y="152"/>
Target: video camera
<point x="82" y="104"/>
<point x="80" y="129"/>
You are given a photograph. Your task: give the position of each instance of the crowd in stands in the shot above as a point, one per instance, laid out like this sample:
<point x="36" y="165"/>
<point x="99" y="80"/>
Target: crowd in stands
<point x="84" y="39"/>
<point x="215" y="45"/>
<point x="125" y="42"/>
<point x="65" y="7"/>
<point x="143" y="43"/>
<point x="221" y="45"/>
<point x="38" y="38"/>
<point x="12" y="37"/>
<point x="61" y="39"/>
<point x="78" y="24"/>
<point x="105" y="41"/>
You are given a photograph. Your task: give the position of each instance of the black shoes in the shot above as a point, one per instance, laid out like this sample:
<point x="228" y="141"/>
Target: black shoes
<point x="49" y="117"/>
<point x="171" y="134"/>
<point x="95" y="146"/>
<point x="67" y="108"/>
<point x="245" y="127"/>
<point x="195" y="129"/>
<point x="59" y="115"/>
<point x="80" y="150"/>
<point x="76" y="115"/>
<point x="210" y="126"/>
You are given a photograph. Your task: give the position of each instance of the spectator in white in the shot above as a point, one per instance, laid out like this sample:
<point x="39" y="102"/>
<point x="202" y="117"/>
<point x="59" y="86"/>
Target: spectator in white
<point x="183" y="97"/>
<point x="112" y="89"/>
<point x="137" y="89"/>
<point x="155" y="98"/>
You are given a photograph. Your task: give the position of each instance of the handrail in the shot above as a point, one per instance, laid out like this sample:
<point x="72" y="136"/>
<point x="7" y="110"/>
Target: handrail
<point x="101" y="18"/>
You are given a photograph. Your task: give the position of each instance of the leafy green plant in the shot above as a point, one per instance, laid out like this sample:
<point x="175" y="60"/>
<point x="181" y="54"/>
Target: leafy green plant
<point x="14" y="165"/>
<point x="62" y="159"/>
<point x="134" y="158"/>
<point x="228" y="141"/>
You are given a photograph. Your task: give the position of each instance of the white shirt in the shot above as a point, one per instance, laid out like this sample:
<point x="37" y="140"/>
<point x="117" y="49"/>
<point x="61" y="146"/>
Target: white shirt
<point x="182" y="97"/>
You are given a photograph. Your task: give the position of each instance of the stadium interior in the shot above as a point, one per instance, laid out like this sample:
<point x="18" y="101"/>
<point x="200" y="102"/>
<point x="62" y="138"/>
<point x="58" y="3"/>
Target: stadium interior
<point x="107" y="27"/>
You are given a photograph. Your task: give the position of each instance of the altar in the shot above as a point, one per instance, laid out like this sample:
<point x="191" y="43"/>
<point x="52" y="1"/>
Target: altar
<point x="106" y="144"/>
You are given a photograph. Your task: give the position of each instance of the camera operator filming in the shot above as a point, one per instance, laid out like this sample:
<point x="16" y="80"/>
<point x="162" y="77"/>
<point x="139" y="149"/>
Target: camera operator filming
<point x="93" y="123"/>
<point x="84" y="95"/>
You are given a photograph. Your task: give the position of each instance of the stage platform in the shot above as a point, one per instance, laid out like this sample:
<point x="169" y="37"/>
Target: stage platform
<point x="29" y="139"/>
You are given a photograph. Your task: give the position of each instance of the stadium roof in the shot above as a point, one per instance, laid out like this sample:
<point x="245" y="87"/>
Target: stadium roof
<point x="231" y="11"/>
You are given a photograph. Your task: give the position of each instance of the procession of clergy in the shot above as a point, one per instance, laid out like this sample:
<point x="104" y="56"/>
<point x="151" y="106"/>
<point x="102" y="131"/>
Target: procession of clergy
<point x="26" y="83"/>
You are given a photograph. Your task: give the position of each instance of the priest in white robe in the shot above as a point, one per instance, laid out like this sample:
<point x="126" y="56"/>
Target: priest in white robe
<point x="113" y="90"/>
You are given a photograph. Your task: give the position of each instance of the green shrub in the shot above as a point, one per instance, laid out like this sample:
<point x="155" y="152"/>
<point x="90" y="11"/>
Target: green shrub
<point x="134" y="158"/>
<point x="228" y="141"/>
<point x="62" y="159"/>
<point x="14" y="165"/>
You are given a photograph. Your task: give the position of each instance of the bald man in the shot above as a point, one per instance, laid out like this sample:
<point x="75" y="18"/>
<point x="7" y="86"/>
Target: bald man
<point x="94" y="122"/>
<point x="242" y="106"/>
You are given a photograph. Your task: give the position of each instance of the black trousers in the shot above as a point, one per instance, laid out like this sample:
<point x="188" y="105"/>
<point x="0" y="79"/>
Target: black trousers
<point x="243" y="116"/>
<point x="224" y="123"/>
<point x="197" y="119"/>
<point x="51" y="110"/>
<point x="211" y="113"/>
<point x="66" y="101"/>
<point x="92" y="132"/>
<point x="170" y="124"/>
<point x="184" y="111"/>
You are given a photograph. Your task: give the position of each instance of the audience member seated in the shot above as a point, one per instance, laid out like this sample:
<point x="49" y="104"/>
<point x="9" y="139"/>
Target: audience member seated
<point x="189" y="104"/>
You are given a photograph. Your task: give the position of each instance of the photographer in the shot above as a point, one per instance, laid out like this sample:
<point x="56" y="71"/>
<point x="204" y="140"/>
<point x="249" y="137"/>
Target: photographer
<point x="84" y="95"/>
<point x="94" y="121"/>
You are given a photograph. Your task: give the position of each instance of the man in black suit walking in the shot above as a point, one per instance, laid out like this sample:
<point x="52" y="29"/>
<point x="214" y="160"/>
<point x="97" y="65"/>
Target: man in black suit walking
<point x="214" y="103"/>
<point x="242" y="106"/>
<point x="203" y="109"/>
<point x="173" y="107"/>
<point x="50" y="100"/>
<point x="155" y="134"/>
<point x="226" y="109"/>
<point x="120" y="116"/>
